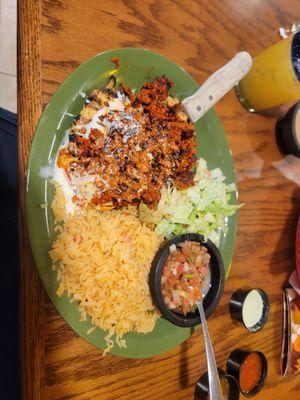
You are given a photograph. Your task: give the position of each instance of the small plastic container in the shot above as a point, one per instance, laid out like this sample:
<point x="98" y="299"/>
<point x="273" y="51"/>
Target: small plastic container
<point x="288" y="131"/>
<point x="251" y="307"/>
<point x="234" y="365"/>
<point x="201" y="391"/>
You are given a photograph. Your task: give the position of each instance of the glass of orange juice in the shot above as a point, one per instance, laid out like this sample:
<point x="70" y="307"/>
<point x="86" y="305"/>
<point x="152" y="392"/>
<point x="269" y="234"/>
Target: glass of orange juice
<point x="274" y="78"/>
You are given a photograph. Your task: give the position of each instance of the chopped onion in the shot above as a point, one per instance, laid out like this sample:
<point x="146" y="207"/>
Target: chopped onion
<point x="172" y="305"/>
<point x="176" y="297"/>
<point x="185" y="267"/>
<point x="172" y="248"/>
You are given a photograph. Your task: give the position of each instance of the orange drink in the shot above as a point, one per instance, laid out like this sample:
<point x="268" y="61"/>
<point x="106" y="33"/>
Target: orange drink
<point x="274" y="78"/>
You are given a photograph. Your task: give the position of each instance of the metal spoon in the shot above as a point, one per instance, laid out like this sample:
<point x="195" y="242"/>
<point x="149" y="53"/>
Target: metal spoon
<point x="213" y="375"/>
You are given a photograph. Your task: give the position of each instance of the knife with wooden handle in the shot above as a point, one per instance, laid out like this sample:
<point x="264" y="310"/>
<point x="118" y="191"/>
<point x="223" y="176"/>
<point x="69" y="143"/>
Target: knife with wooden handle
<point x="217" y="85"/>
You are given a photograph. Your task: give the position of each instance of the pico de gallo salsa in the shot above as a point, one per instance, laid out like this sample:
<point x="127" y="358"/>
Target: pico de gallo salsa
<point x="184" y="275"/>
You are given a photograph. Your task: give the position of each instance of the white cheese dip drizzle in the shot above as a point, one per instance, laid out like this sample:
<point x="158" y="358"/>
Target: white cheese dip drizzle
<point x="60" y="176"/>
<point x="108" y="118"/>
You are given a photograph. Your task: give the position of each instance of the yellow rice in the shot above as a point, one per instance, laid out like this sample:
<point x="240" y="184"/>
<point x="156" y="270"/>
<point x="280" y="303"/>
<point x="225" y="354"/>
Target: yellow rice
<point x="103" y="260"/>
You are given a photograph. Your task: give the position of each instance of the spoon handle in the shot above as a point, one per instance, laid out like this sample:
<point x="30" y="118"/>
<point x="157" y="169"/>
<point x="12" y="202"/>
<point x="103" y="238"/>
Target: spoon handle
<point x="217" y="85"/>
<point x="213" y="375"/>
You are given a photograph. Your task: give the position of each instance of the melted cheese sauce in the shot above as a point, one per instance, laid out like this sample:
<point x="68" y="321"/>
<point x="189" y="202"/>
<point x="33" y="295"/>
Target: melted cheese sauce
<point x="61" y="178"/>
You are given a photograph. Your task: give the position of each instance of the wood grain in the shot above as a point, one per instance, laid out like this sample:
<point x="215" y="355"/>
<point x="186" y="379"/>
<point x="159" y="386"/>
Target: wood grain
<point x="29" y="110"/>
<point x="200" y="36"/>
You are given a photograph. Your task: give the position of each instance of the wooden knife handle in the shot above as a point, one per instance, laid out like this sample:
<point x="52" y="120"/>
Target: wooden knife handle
<point x="217" y="85"/>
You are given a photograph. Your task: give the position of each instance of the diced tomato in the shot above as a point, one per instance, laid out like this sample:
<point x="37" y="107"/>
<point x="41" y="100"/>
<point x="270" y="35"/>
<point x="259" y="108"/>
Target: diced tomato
<point x="186" y="307"/>
<point x="180" y="269"/>
<point x="187" y="252"/>
<point x="172" y="280"/>
<point x="185" y="270"/>
<point x="179" y="257"/>
<point x="166" y="270"/>
<point x="194" y="281"/>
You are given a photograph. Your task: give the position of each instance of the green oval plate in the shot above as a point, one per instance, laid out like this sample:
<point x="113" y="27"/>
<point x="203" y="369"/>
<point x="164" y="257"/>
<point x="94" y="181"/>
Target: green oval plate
<point x="137" y="66"/>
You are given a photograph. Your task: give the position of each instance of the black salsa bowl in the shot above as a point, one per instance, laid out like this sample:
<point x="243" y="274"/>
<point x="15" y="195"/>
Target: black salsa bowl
<point x="217" y="278"/>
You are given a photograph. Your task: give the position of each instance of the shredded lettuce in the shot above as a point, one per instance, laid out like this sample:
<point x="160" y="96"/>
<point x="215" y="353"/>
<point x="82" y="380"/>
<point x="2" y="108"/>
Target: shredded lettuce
<point x="201" y="208"/>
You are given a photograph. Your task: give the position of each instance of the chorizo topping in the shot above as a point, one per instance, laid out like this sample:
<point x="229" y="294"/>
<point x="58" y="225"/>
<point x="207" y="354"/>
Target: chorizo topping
<point x="124" y="148"/>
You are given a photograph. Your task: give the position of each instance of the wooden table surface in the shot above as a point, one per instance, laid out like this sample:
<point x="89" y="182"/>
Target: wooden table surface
<point x="55" y="37"/>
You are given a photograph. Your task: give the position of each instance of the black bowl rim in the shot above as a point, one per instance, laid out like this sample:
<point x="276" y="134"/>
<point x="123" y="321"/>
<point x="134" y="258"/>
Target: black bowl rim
<point x="296" y="110"/>
<point x="286" y="131"/>
<point x="260" y="385"/>
<point x="191" y="319"/>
